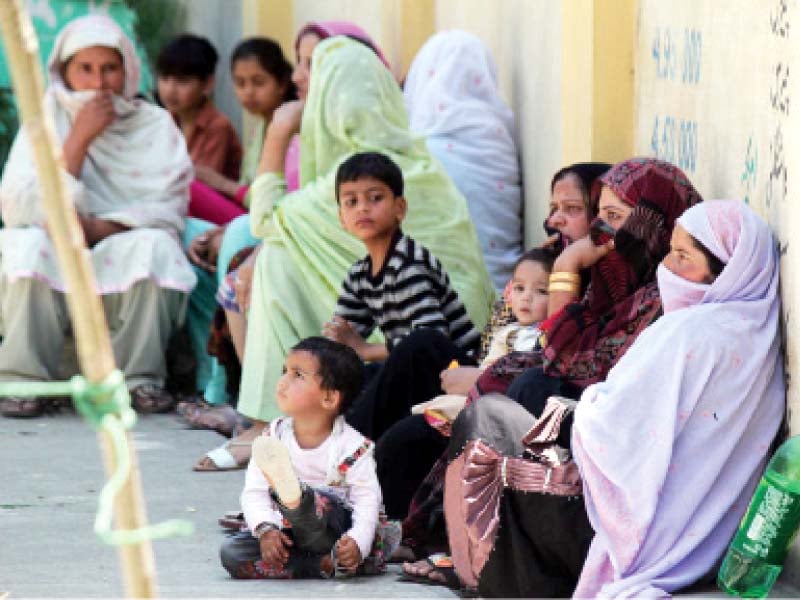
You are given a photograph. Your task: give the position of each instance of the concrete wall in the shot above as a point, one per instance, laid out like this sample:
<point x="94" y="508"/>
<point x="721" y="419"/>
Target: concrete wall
<point x="212" y="19"/>
<point x="714" y="95"/>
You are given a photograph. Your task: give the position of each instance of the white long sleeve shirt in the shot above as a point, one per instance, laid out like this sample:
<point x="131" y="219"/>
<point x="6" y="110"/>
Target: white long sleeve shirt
<point x="324" y="467"/>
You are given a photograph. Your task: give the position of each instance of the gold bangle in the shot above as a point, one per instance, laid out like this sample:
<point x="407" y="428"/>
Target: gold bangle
<point x="565" y="276"/>
<point x="559" y="286"/>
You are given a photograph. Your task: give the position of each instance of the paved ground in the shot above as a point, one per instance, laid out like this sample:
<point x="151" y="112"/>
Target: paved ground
<point x="49" y="479"/>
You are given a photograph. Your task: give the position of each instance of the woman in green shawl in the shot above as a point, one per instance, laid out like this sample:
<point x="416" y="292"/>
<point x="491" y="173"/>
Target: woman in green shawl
<point x="353" y="105"/>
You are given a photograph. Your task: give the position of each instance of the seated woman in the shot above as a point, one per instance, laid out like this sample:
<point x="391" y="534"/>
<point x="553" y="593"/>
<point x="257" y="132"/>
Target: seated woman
<point x="453" y="100"/>
<point x="408" y="450"/>
<point x="654" y="523"/>
<point x="353" y="104"/>
<point x="639" y="202"/>
<point x="230" y="249"/>
<point x="128" y="173"/>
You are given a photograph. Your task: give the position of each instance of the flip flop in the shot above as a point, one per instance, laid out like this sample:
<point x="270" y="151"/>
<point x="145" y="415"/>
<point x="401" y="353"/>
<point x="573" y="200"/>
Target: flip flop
<point x="272" y="457"/>
<point x="440" y="563"/>
<point x="222" y="419"/>
<point x="222" y="459"/>
<point x="233" y="520"/>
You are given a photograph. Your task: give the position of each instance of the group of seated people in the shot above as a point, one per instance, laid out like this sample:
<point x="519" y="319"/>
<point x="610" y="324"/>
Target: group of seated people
<point x="597" y="431"/>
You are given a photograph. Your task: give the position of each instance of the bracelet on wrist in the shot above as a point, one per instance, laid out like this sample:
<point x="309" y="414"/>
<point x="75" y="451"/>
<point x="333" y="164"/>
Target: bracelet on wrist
<point x="563" y="287"/>
<point x="263" y="528"/>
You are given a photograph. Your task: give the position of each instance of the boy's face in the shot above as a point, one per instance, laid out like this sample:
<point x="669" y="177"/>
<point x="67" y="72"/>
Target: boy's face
<point x="299" y="392"/>
<point x="369" y="210"/>
<point x="180" y="94"/>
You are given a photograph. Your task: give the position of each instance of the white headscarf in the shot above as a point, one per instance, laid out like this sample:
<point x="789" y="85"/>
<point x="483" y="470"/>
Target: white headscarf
<point x="136" y="172"/>
<point x="671" y="445"/>
<point x="453" y="100"/>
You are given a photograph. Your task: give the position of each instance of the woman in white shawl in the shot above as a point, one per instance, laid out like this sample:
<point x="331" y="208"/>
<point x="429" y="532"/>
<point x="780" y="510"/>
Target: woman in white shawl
<point x="671" y="446"/>
<point x="128" y="172"/>
<point x="452" y="99"/>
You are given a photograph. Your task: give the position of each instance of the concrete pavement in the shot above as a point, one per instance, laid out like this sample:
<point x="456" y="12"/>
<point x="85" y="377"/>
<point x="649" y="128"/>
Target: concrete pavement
<point x="49" y="480"/>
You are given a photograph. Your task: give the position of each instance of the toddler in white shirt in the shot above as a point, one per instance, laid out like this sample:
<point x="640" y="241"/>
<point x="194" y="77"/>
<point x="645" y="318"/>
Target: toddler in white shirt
<point x="311" y="498"/>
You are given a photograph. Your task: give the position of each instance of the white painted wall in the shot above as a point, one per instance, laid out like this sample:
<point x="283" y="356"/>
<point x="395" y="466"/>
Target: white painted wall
<point x="714" y="89"/>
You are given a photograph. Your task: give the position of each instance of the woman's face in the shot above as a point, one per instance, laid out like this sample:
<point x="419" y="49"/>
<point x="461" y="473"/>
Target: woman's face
<point x="95" y="68"/>
<point x="612" y="209"/>
<point x="257" y="90"/>
<point x="302" y="71"/>
<point x="685" y="259"/>
<point x="568" y="211"/>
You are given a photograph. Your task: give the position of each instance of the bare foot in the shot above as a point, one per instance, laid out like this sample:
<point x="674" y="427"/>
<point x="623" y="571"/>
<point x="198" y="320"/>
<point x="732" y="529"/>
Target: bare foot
<point x="423" y="568"/>
<point x="240" y="447"/>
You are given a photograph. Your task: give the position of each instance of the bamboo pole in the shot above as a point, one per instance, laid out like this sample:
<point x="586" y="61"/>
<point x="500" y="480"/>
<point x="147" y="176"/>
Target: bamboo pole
<point x="85" y="308"/>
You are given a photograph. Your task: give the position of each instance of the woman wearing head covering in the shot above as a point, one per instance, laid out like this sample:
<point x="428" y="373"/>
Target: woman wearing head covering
<point x="671" y="446"/>
<point x="128" y="172"/>
<point x="353" y="105"/>
<point x="639" y="202"/>
<point x="453" y="100"/>
<point x="216" y="251"/>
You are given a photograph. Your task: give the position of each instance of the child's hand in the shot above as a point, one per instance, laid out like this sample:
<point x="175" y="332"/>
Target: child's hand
<point x="340" y="330"/>
<point x="348" y="555"/>
<point x="459" y="380"/>
<point x="275" y="547"/>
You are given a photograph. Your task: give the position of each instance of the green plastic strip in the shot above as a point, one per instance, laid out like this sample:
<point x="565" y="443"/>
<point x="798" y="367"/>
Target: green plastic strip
<point x="107" y="407"/>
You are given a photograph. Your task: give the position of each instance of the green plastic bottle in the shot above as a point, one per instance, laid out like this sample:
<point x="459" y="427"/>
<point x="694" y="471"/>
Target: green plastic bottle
<point x="756" y="554"/>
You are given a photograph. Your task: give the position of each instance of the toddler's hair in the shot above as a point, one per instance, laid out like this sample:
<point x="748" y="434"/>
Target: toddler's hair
<point x="270" y="58"/>
<point x="340" y="368"/>
<point x="544" y="256"/>
<point x="370" y="164"/>
<point x="187" y="55"/>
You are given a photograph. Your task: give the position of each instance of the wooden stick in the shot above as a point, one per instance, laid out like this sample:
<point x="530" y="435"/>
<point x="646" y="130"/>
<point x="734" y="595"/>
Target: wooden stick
<point x="85" y="307"/>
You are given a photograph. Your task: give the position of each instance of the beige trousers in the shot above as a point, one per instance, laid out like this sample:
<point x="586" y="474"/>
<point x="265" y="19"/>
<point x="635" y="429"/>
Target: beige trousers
<point x="35" y="325"/>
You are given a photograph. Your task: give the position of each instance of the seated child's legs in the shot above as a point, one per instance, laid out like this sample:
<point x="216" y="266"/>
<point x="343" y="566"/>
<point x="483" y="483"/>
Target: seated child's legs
<point x="318" y="522"/>
<point x="316" y="525"/>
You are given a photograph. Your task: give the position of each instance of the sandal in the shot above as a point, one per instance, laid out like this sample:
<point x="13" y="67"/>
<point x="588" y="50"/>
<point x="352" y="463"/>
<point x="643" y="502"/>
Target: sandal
<point x="222" y="419"/>
<point x="221" y="459"/>
<point x="232" y="520"/>
<point x="440" y="564"/>
<point x="149" y="398"/>
<point x="16" y="407"/>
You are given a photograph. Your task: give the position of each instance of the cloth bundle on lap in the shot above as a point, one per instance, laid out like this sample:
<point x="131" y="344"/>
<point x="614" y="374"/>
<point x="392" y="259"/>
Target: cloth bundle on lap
<point x="508" y="489"/>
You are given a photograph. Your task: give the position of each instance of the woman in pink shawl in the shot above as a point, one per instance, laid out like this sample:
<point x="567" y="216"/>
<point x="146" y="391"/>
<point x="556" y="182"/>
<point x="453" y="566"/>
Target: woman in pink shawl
<point x="671" y="446"/>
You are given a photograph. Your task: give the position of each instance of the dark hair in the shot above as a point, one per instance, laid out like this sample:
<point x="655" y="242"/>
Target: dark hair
<point x="586" y="175"/>
<point x="370" y="164"/>
<point x="715" y="265"/>
<point x="187" y="55"/>
<point x="270" y="58"/>
<point x="544" y="256"/>
<point x="340" y="368"/>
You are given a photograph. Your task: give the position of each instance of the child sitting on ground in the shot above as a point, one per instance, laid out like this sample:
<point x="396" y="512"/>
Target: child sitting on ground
<point x="186" y="68"/>
<point x="311" y="497"/>
<point x="399" y="286"/>
<point x="527" y="299"/>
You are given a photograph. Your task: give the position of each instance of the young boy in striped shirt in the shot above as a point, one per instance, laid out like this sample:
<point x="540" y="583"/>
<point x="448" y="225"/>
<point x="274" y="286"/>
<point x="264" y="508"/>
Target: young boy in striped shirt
<point x="399" y="286"/>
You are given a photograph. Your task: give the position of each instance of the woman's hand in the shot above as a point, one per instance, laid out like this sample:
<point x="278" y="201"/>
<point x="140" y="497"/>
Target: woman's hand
<point x="459" y="380"/>
<point x="91" y="120"/>
<point x="580" y="255"/>
<point x="287" y="117"/>
<point x="243" y="284"/>
<point x="216" y="180"/>
<point x="94" y="116"/>
<point x="96" y="230"/>
<point x="204" y="249"/>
